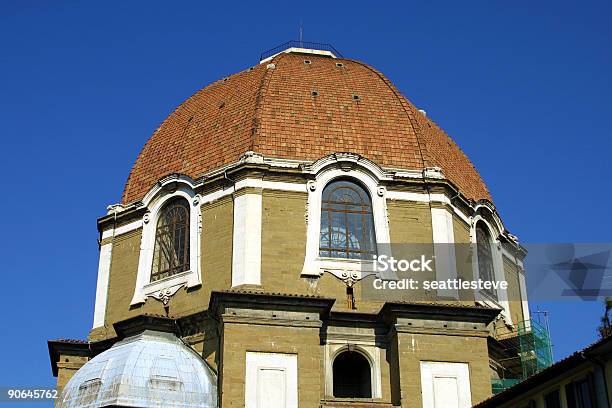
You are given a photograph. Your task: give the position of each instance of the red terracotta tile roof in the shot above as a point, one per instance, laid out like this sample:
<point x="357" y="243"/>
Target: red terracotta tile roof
<point x="274" y="112"/>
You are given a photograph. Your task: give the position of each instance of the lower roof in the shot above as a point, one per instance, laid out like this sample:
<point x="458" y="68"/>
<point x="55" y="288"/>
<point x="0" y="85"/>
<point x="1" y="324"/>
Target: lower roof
<point x="597" y="350"/>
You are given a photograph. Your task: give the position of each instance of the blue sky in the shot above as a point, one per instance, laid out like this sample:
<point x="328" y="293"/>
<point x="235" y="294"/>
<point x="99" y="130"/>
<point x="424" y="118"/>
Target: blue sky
<point x="523" y="87"/>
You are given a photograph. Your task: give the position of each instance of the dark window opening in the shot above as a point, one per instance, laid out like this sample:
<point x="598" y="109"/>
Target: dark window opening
<point x="171" y="253"/>
<point x="484" y="253"/>
<point x="352" y="378"/>
<point x="530" y="404"/>
<point x="552" y="400"/>
<point x="347" y="222"/>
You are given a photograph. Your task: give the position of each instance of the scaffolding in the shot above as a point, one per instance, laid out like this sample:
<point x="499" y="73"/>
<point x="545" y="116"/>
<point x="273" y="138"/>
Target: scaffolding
<point x="536" y="349"/>
<point x="501" y="384"/>
<point x="526" y="350"/>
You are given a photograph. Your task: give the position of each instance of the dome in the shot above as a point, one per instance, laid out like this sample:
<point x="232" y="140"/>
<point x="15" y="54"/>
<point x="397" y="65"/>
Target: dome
<point x="301" y="107"/>
<point x="152" y="369"/>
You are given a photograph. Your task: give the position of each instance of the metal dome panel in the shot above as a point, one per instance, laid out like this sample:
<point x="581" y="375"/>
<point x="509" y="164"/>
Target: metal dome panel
<point x="151" y="369"/>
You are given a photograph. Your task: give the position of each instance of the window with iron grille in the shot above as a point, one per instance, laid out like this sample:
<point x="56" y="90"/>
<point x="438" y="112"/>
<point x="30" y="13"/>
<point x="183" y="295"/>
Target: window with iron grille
<point x="486" y="270"/>
<point x="171" y="253"/>
<point x="347" y="222"/>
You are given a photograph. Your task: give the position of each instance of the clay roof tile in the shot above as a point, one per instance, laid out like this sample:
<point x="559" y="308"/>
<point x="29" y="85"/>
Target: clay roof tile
<point x="273" y="111"/>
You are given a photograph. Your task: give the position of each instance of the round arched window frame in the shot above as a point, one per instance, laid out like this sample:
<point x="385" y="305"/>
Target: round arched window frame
<point x="171" y="251"/>
<point x="347" y="221"/>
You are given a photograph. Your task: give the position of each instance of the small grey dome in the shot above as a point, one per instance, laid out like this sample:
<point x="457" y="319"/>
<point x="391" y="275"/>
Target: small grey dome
<point x="151" y="369"/>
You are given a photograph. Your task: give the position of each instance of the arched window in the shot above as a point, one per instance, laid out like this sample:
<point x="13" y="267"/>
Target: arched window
<point x="484" y="255"/>
<point x="347" y="223"/>
<point x="171" y="254"/>
<point x="352" y="378"/>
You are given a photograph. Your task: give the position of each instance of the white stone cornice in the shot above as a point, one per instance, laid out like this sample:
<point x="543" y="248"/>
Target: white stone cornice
<point x="134" y="225"/>
<point x="407" y="174"/>
<point x="344" y="161"/>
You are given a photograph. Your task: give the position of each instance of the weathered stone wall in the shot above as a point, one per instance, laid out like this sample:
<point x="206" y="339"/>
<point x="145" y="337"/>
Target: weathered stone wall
<point x="302" y="341"/>
<point x="67" y="366"/>
<point x="414" y="348"/>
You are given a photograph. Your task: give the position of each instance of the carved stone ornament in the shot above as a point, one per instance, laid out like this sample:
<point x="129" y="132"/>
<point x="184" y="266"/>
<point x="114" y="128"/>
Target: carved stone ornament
<point x="196" y="200"/>
<point x="164" y="295"/>
<point x="147" y="217"/>
<point x="115" y="208"/>
<point x="312" y="185"/>
<point x="171" y="187"/>
<point x="433" y="173"/>
<point x="251" y="157"/>
<point x="346" y="166"/>
<point x="381" y="191"/>
<point x="349" y="277"/>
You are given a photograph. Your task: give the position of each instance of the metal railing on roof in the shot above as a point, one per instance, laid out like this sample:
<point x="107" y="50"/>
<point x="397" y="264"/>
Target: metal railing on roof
<point x="300" y="44"/>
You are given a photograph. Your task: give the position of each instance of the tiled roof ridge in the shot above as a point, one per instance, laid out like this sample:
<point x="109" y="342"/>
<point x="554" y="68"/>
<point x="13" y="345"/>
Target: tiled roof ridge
<point x="261" y="92"/>
<point x="439" y="129"/>
<point x="408" y="109"/>
<point x="421" y="124"/>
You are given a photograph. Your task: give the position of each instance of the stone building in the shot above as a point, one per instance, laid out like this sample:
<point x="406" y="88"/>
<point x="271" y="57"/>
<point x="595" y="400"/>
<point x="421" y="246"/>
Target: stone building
<point x="234" y="271"/>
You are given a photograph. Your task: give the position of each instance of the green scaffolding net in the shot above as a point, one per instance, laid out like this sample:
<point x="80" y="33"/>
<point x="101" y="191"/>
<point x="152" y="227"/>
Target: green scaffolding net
<point x="529" y="343"/>
<point x="501" y="384"/>
<point x="536" y="351"/>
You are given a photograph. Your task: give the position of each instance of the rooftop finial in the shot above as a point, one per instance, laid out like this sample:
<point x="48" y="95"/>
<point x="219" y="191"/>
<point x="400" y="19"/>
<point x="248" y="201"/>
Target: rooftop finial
<point x="301" y="33"/>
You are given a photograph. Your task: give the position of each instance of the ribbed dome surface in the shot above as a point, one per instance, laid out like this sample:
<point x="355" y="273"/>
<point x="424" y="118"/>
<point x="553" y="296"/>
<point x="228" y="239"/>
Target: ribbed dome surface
<point x="152" y="369"/>
<point x="273" y="111"/>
